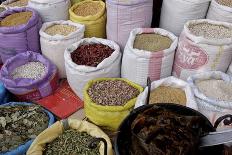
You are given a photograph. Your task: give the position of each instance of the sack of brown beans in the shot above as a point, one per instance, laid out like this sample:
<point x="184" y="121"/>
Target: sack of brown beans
<point x="19" y="32"/>
<point x="204" y="45"/>
<point x="149" y="52"/>
<point x="93" y="15"/>
<point x="220" y="10"/>
<point x="107" y="101"/>
<point x="91" y="58"/>
<point x="15" y="3"/>
<point x="55" y="37"/>
<point x="29" y="76"/>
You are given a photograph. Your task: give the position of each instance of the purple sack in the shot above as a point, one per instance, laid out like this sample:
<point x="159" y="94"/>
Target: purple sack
<point x="28" y="89"/>
<point x="21" y="38"/>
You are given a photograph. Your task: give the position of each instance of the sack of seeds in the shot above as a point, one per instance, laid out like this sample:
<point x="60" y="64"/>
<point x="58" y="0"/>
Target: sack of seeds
<point x="29" y="76"/>
<point x="19" y="32"/>
<point x="51" y="10"/>
<point x="124" y="16"/>
<point x="175" y="13"/>
<point x="220" y="10"/>
<point x="92" y="14"/>
<point x="55" y="37"/>
<point x="143" y="58"/>
<point x="72" y="137"/>
<point x="168" y="90"/>
<point x="15" y="3"/>
<point x="204" y="45"/>
<point x="91" y="58"/>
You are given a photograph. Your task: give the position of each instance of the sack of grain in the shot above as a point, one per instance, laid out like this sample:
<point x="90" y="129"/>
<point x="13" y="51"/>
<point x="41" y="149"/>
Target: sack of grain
<point x="220" y="10"/>
<point x="124" y="16"/>
<point x="204" y="45"/>
<point x="175" y="13"/>
<point x="29" y="76"/>
<point x="19" y="32"/>
<point x="92" y="14"/>
<point x="143" y="58"/>
<point x="15" y="3"/>
<point x="55" y="37"/>
<point x="90" y="67"/>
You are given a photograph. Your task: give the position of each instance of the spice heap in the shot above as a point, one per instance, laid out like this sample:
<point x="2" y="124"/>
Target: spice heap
<point x="60" y="29"/>
<point x="16" y="19"/>
<point x="152" y="42"/>
<point x="30" y="70"/>
<point x="87" y="9"/>
<point x="210" y="31"/>
<point x="225" y="2"/>
<point x="18" y="3"/>
<point x="112" y="92"/>
<point x="165" y="94"/>
<point x="71" y="142"/>
<point x="91" y="55"/>
<point x="19" y="124"/>
<point x="216" y="89"/>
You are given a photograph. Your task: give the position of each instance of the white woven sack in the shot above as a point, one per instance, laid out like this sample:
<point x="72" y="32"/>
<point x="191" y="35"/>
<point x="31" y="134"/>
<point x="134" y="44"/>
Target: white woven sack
<point x="175" y="13"/>
<point x="169" y="82"/>
<point x="79" y="75"/>
<point x="219" y="12"/>
<point x="7" y="2"/>
<point x="198" y="54"/>
<point x="53" y="47"/>
<point x="51" y="10"/>
<point x="137" y="64"/>
<point x="124" y="16"/>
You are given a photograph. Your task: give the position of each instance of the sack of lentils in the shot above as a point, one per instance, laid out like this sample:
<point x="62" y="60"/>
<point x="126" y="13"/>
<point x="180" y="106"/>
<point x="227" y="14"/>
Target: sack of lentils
<point x="93" y="15"/>
<point x="151" y="51"/>
<point x="55" y="37"/>
<point x="69" y="139"/>
<point x="15" y="3"/>
<point x="204" y="45"/>
<point x="91" y="58"/>
<point x="29" y="76"/>
<point x="51" y="10"/>
<point x="220" y="10"/>
<point x="19" y="32"/>
<point x="107" y="101"/>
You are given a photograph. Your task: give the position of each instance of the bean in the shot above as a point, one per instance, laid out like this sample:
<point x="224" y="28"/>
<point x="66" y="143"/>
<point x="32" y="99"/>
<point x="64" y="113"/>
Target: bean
<point x="88" y="9"/>
<point x="60" y="29"/>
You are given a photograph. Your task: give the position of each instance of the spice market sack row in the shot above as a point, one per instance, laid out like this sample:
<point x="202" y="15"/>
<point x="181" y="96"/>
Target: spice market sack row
<point x="143" y="58"/>
<point x="29" y="76"/>
<point x="175" y="13"/>
<point x="77" y="134"/>
<point x="92" y="14"/>
<point x="19" y="32"/>
<point x="15" y="3"/>
<point x="124" y="16"/>
<point x="204" y="45"/>
<point x="55" y="37"/>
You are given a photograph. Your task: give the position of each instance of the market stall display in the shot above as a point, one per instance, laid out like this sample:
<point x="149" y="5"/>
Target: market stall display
<point x="15" y="3"/>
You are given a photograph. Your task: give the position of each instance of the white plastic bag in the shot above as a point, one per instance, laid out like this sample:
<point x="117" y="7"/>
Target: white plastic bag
<point x="137" y="64"/>
<point x="197" y="54"/>
<point x="79" y="75"/>
<point x="53" y="47"/>
<point x="175" y="13"/>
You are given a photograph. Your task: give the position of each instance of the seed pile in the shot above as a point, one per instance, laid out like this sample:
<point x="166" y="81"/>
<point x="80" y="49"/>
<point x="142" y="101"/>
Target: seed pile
<point x="91" y="55"/>
<point x="216" y="89"/>
<point x="19" y="3"/>
<point x="88" y="9"/>
<point x="30" y="70"/>
<point x="19" y="124"/>
<point x="16" y="19"/>
<point x="71" y="142"/>
<point x="225" y="2"/>
<point x="210" y="31"/>
<point x="165" y="94"/>
<point x="112" y="92"/>
<point x="60" y="29"/>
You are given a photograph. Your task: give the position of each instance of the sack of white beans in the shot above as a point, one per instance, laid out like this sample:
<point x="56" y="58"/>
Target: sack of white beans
<point x="175" y="13"/>
<point x="204" y="45"/>
<point x="153" y="60"/>
<point x="55" y="37"/>
<point x="220" y="10"/>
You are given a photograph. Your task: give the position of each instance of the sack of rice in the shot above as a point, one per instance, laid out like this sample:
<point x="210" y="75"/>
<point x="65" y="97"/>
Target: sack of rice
<point x="15" y="3"/>
<point x="55" y="37"/>
<point x="149" y="52"/>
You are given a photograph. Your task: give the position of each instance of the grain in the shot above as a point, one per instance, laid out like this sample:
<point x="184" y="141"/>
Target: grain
<point x="165" y="94"/>
<point x="18" y="3"/>
<point x="60" y="29"/>
<point x="225" y="2"/>
<point x="152" y="42"/>
<point x="88" y="9"/>
<point x="16" y="19"/>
